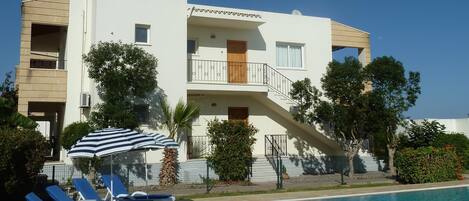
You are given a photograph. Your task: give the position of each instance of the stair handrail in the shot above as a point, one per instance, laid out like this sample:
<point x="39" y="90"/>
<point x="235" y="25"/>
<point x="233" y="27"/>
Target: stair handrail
<point x="289" y="82"/>
<point x="277" y="162"/>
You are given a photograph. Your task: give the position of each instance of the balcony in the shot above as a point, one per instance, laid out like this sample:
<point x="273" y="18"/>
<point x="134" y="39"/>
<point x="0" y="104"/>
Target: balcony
<point x="231" y="74"/>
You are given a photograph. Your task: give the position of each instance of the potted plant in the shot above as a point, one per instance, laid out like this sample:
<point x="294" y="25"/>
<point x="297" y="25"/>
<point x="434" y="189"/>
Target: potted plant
<point x="284" y="173"/>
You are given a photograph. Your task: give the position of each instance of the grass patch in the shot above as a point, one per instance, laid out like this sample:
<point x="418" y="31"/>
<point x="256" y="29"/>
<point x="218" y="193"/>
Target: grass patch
<point x="190" y="197"/>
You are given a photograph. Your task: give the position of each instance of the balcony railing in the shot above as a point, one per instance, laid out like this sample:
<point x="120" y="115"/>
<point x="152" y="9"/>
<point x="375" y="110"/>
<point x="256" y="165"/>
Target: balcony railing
<point x="198" y="147"/>
<point x="231" y="72"/>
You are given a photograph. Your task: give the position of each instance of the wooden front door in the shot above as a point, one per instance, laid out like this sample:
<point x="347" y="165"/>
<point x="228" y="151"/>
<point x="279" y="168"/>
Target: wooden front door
<point x="238" y="114"/>
<point x="237" y="58"/>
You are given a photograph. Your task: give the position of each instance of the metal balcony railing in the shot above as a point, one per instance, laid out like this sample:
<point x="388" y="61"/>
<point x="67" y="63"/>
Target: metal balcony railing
<point x="198" y="147"/>
<point x="230" y="72"/>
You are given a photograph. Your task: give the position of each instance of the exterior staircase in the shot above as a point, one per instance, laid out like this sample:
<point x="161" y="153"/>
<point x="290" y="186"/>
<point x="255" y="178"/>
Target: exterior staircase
<point x="262" y="170"/>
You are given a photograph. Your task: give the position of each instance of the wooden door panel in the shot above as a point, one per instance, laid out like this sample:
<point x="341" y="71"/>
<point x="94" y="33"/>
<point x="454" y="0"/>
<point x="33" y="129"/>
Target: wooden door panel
<point x="237" y="58"/>
<point x="238" y="114"/>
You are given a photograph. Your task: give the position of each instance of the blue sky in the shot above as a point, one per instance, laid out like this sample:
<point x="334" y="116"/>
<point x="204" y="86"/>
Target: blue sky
<point x="431" y="37"/>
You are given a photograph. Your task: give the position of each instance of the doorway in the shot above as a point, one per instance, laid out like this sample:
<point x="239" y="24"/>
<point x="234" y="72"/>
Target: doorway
<point x="238" y="114"/>
<point x="237" y="61"/>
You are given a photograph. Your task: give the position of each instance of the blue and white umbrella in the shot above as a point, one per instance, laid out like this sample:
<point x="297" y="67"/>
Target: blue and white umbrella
<point x="161" y="141"/>
<point x="108" y="142"/>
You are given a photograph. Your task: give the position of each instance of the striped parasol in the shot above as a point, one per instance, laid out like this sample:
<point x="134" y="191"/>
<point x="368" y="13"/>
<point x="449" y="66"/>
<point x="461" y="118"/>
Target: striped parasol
<point x="163" y="139"/>
<point x="109" y="141"/>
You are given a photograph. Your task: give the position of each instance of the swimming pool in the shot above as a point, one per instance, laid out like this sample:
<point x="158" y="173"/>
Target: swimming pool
<point x="460" y="193"/>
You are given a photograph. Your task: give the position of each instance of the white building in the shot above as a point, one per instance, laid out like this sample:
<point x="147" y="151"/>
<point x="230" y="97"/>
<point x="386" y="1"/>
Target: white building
<point x="234" y="63"/>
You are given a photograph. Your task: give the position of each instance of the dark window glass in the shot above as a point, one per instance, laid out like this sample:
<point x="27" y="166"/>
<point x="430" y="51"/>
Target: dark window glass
<point x="191" y="46"/>
<point x="141" y="34"/>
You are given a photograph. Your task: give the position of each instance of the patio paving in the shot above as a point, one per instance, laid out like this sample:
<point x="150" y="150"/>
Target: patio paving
<point x="320" y="193"/>
<point x="302" y="182"/>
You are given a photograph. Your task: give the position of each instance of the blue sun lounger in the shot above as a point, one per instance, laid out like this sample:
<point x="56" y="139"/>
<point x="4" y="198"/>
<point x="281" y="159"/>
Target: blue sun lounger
<point x="119" y="191"/>
<point x="32" y="197"/>
<point x="57" y="194"/>
<point x="85" y="190"/>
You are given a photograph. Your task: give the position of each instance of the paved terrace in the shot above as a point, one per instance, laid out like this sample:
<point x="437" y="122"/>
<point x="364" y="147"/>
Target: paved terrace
<point x="320" y="193"/>
<point x="302" y="182"/>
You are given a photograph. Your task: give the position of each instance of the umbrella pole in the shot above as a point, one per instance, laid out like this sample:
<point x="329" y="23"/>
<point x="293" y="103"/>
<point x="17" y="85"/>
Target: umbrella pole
<point x="146" y="171"/>
<point x="112" y="185"/>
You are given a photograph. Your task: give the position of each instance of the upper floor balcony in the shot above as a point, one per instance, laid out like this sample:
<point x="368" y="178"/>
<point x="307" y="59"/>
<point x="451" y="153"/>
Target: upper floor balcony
<point x="213" y="75"/>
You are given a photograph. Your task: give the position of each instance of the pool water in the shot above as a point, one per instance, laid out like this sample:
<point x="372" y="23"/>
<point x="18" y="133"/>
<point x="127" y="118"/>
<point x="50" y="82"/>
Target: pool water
<point x="447" y="194"/>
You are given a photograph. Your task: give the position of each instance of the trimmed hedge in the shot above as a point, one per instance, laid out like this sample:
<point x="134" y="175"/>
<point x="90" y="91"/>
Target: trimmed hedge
<point x="232" y="148"/>
<point x="22" y="154"/>
<point x="428" y="164"/>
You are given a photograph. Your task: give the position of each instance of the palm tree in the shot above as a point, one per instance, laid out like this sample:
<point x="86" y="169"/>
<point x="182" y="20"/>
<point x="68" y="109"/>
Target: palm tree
<point x="175" y="121"/>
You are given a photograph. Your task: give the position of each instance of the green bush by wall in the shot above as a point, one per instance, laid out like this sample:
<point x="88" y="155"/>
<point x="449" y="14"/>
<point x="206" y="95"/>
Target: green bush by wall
<point x="232" y="148"/>
<point x="459" y="141"/>
<point x="22" y="154"/>
<point x="427" y="164"/>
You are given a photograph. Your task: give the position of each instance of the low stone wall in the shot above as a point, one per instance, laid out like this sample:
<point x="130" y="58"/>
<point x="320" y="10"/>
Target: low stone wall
<point x="192" y="171"/>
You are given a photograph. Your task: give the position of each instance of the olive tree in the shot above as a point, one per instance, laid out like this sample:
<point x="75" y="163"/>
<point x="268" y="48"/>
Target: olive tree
<point x="125" y="74"/>
<point x="340" y="109"/>
<point x="392" y="94"/>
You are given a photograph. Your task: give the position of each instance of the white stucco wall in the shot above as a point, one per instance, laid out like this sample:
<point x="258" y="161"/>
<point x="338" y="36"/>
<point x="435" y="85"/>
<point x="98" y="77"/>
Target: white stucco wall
<point x="105" y="20"/>
<point x="92" y="21"/>
<point x="263" y="118"/>
<point x="313" y="33"/>
<point x="168" y="33"/>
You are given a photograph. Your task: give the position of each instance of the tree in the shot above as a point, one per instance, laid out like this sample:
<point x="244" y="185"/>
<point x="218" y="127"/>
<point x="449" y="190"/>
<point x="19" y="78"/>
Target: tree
<point x="424" y="134"/>
<point x="9" y="116"/>
<point x="392" y="94"/>
<point x="125" y="75"/>
<point x="22" y="156"/>
<point x="175" y="121"/>
<point x="342" y="110"/>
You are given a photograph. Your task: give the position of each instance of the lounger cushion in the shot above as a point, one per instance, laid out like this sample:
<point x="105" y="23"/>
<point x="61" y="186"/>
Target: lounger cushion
<point x="57" y="194"/>
<point x="32" y="197"/>
<point x="121" y="192"/>
<point x="85" y="189"/>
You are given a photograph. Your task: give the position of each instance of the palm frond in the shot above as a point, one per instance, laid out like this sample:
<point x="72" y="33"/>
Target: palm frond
<point x="179" y="118"/>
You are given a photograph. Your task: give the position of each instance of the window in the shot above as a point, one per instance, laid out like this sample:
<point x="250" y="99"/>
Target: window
<point x="192" y="46"/>
<point x="142" y="34"/>
<point x="289" y="55"/>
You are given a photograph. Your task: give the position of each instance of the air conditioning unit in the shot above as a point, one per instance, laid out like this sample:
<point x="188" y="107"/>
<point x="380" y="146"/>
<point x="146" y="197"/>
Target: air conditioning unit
<point x="85" y="99"/>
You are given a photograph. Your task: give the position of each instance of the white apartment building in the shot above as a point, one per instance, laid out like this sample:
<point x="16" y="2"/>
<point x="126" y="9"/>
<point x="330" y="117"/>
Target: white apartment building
<point x="234" y="63"/>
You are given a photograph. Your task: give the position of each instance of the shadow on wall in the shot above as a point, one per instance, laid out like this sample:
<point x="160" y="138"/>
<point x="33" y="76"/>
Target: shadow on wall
<point x="155" y="112"/>
<point x="126" y="165"/>
<point x="316" y="162"/>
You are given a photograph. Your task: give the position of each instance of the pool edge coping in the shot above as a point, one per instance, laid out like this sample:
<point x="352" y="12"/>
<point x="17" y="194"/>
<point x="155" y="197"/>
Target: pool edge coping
<point x="376" y="193"/>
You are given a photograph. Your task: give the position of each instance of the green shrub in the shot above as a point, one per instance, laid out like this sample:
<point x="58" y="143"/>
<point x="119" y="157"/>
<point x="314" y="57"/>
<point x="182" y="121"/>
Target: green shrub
<point x="73" y="132"/>
<point x="427" y="164"/>
<point x="459" y="141"/>
<point x="232" y="148"/>
<point x="22" y="154"/>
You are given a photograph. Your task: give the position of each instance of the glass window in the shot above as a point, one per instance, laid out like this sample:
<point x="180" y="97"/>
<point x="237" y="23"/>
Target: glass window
<point x="191" y="46"/>
<point x="289" y="55"/>
<point x="142" y="34"/>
